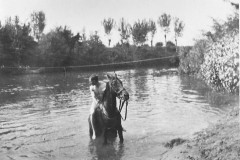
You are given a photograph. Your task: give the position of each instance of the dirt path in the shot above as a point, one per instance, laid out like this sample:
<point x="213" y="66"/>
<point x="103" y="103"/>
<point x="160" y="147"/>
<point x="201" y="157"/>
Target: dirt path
<point x="218" y="142"/>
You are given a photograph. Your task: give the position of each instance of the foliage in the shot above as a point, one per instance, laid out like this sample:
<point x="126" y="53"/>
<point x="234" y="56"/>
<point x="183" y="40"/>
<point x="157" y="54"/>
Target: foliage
<point x="56" y="47"/>
<point x="24" y="44"/>
<point x="95" y="49"/>
<point x="221" y="66"/>
<point x="159" y="44"/>
<point x="152" y="29"/>
<point x="124" y="29"/>
<point x="191" y="58"/>
<point x="164" y="21"/>
<point x="16" y="43"/>
<point x="216" y="58"/>
<point x="170" y="46"/>
<point x="178" y="28"/>
<point x="53" y="47"/>
<point x="38" y="23"/>
<point x="139" y="31"/>
<point x="108" y="24"/>
<point x="220" y="30"/>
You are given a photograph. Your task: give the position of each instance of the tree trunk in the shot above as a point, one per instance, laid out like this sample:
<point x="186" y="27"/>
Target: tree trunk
<point x="109" y="42"/>
<point x="165" y="36"/>
<point x="176" y="45"/>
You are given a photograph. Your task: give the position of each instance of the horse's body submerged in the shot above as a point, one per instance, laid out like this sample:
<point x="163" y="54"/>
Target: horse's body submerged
<point x="107" y="115"/>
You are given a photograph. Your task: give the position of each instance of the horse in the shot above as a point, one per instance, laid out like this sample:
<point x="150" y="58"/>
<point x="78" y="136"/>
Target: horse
<point x="107" y="116"/>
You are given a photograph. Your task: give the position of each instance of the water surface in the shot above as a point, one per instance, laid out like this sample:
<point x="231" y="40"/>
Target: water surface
<point x="45" y="116"/>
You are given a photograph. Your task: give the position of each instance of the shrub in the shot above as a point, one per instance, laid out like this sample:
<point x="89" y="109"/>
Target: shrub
<point x="159" y="44"/>
<point x="171" y="47"/>
<point x="221" y="66"/>
<point x="191" y="58"/>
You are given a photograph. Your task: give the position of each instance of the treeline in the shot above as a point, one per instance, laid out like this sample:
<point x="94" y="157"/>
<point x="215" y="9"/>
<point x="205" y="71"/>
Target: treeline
<point x="215" y="58"/>
<point x="25" y="44"/>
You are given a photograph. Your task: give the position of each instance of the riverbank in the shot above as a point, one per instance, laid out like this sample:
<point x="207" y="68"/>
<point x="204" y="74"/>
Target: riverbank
<point x="168" y="61"/>
<point x="218" y="142"/>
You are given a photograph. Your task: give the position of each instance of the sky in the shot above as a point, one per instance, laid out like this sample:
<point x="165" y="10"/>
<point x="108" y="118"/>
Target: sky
<point x="87" y="15"/>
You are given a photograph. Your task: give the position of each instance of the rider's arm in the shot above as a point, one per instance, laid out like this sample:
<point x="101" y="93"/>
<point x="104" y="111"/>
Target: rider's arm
<point x="93" y="94"/>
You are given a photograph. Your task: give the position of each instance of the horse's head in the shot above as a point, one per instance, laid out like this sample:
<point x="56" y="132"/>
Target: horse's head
<point x="117" y="86"/>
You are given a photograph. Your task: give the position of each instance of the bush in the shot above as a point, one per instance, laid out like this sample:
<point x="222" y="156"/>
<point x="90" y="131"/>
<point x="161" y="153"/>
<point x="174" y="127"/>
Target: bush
<point x="191" y="58"/>
<point x="159" y="44"/>
<point x="221" y="66"/>
<point x="171" y="47"/>
<point x="215" y="59"/>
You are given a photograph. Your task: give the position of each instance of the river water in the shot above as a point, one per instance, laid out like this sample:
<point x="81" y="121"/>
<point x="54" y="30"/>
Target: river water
<point x="45" y="116"/>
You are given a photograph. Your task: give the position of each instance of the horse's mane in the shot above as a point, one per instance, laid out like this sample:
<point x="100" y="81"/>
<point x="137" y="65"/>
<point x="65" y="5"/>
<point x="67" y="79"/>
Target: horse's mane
<point x="112" y="103"/>
<point x="106" y="90"/>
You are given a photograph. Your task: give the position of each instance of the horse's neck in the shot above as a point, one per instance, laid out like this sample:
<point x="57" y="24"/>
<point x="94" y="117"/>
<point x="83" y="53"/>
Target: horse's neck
<point x="110" y="101"/>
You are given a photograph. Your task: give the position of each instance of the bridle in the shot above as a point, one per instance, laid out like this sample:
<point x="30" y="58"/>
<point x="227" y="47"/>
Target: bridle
<point x="119" y="92"/>
<point x="121" y="103"/>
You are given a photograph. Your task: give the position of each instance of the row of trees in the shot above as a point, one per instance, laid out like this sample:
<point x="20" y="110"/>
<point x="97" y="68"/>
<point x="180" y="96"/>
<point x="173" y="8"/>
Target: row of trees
<point x="141" y="28"/>
<point x="25" y="44"/>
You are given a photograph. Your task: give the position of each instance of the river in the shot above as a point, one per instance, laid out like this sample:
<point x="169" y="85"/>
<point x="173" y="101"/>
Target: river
<point x="44" y="116"/>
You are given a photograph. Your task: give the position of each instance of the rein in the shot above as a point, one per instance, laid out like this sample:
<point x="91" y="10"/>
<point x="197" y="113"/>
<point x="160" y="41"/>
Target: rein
<point x="120" y="109"/>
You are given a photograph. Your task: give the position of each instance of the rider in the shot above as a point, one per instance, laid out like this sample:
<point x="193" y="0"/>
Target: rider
<point x="97" y="89"/>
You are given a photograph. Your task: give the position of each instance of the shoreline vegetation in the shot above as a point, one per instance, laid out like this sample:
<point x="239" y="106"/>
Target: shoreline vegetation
<point x="215" y="57"/>
<point x="162" y="61"/>
<point x="26" y="48"/>
<point x="170" y="61"/>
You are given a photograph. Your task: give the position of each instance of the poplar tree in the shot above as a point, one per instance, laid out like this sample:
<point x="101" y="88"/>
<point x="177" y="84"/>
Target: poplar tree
<point x="38" y="23"/>
<point x="152" y="30"/>
<point x="139" y="31"/>
<point x="108" y="25"/>
<point x="178" y="28"/>
<point x="164" y="21"/>
<point x="125" y="30"/>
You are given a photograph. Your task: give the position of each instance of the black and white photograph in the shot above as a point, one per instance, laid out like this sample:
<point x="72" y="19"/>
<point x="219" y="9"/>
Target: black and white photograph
<point x="119" y="80"/>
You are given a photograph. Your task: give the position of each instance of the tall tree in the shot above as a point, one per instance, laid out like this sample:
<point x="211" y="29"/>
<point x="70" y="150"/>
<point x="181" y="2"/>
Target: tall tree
<point x="108" y="25"/>
<point x="152" y="30"/>
<point x="178" y="28"/>
<point x="38" y="23"/>
<point x="124" y="29"/>
<point x="139" y="31"/>
<point x="55" y="47"/>
<point x="164" y="21"/>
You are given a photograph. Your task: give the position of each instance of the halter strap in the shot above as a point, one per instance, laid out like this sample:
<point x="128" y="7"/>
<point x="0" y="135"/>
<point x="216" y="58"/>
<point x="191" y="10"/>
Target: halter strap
<point x="119" y="91"/>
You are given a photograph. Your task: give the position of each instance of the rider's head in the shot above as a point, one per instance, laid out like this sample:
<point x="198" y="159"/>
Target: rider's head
<point x="93" y="79"/>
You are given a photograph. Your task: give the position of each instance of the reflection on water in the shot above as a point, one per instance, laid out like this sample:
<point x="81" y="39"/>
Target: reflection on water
<point x="45" y="116"/>
<point x="110" y="151"/>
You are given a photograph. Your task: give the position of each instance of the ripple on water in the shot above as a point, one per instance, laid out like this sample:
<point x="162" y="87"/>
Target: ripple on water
<point x="46" y="118"/>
